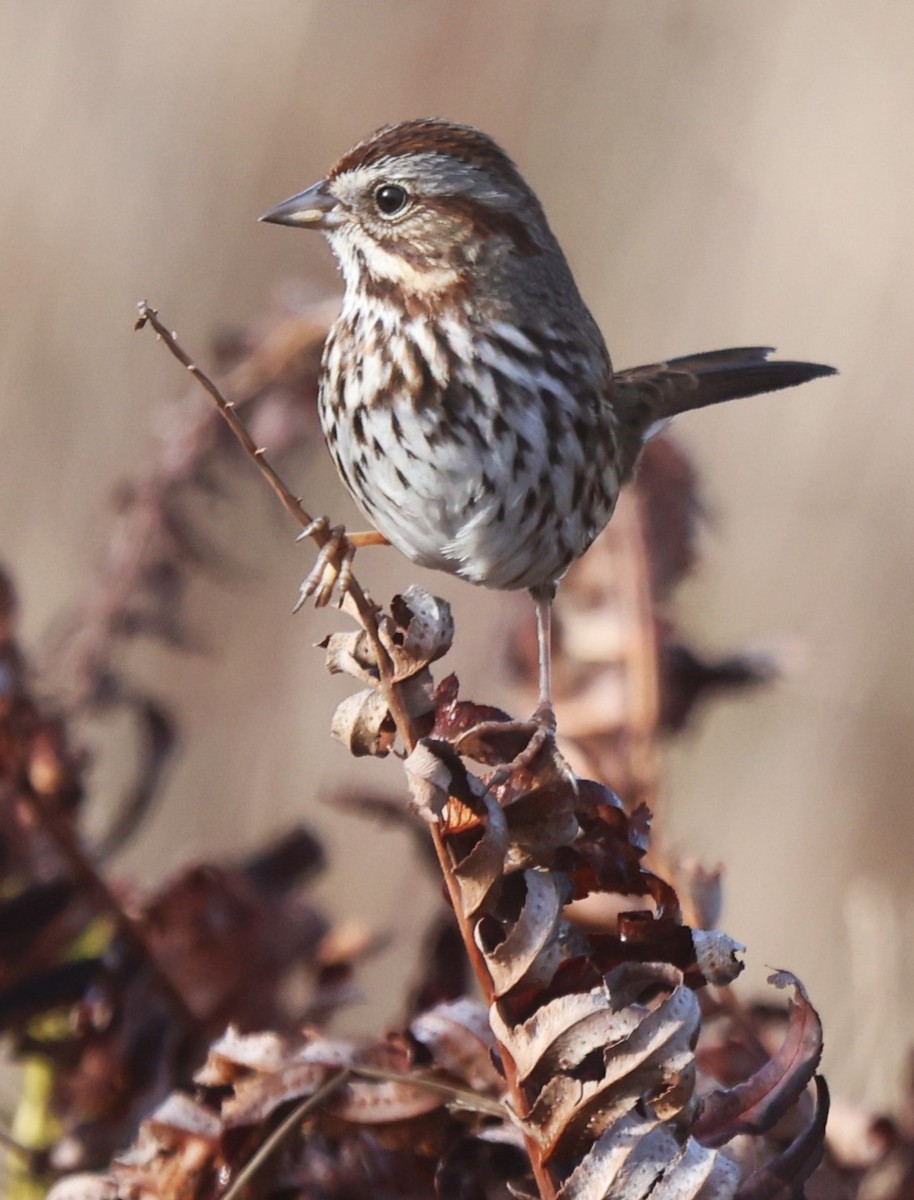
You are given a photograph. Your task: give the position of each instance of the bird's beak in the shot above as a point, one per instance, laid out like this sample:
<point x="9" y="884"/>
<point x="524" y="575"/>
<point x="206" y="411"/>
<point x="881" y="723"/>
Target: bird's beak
<point x="315" y="208"/>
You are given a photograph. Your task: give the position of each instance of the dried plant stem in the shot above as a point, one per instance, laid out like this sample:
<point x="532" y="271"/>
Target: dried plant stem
<point x="471" y="1101"/>
<point x="367" y="614"/>
<point x="363" y="606"/>
<point x="544" y="1182"/>
<point x="80" y="659"/>
<point x="226" y="407"/>
<point x="268" y="1148"/>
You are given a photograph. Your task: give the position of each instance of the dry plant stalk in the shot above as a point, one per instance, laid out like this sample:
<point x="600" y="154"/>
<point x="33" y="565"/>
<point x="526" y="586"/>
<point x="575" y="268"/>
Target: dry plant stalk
<point x="594" y="1032"/>
<point x="599" y="1061"/>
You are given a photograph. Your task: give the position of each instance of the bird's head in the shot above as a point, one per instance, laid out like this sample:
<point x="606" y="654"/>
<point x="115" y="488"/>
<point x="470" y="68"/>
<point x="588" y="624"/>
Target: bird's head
<point x="426" y="206"/>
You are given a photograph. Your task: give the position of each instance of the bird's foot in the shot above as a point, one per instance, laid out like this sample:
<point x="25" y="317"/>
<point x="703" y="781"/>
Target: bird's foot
<point x="333" y="567"/>
<point x="539" y="731"/>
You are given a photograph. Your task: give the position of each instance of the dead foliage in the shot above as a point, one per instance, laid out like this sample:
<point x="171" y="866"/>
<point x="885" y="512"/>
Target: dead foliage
<point x="607" y="1057"/>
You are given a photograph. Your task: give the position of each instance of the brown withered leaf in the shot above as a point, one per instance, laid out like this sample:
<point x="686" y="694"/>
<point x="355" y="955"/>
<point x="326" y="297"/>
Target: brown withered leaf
<point x="716" y="955"/>
<point x="351" y="654"/>
<point x="590" y="1083"/>
<point x="639" y="1156"/>
<point x="455" y="720"/>
<point x="539" y="822"/>
<point x="362" y="722"/>
<point x="642" y="937"/>
<point x="236" y="1053"/>
<point x="424" y="630"/>
<point x="257" y="1096"/>
<point x="419" y="630"/>
<point x="227" y="943"/>
<point x="564" y="1031"/>
<point x="783" y="1177"/>
<point x="479" y="865"/>
<point x="460" y="1041"/>
<point x="528" y="949"/>
<point x="266" y="1072"/>
<point x="431" y="771"/>
<point x="176" y="1151"/>
<point x="369" y="1102"/>
<point x="755" y="1105"/>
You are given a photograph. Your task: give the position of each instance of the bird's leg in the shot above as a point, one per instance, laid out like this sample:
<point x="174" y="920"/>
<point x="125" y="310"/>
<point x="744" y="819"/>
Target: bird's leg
<point x="540" y="728"/>
<point x="544" y="716"/>
<point x="333" y="567"/>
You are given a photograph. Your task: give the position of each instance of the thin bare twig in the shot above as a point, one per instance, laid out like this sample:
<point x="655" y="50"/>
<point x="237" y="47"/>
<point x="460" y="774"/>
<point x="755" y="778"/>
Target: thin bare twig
<point x="463" y="1097"/>
<point x="364" y="608"/>
<point x="367" y="614"/>
<point x="80" y="654"/>
<point x="291" y="503"/>
<point x="268" y="1148"/>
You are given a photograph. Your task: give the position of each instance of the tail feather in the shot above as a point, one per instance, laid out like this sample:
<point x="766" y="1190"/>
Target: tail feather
<point x="646" y="397"/>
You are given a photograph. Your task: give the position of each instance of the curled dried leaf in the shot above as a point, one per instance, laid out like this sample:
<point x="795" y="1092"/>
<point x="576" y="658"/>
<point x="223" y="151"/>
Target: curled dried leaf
<point x="180" y="1114"/>
<point x="479" y="869"/>
<point x="715" y="955"/>
<point x="258" y="1096"/>
<point x="460" y="1040"/>
<point x="649" y="1055"/>
<point x="362" y="722"/>
<point x="564" y="1031"/>
<point x="430" y="771"/>
<point x="366" y="1102"/>
<point x="236" y="1053"/>
<point x="528" y="950"/>
<point x="783" y="1177"/>
<point x="351" y="654"/>
<point x="426" y="627"/>
<point x="755" y="1105"/>
<point x="539" y="822"/>
<point x="639" y="1156"/>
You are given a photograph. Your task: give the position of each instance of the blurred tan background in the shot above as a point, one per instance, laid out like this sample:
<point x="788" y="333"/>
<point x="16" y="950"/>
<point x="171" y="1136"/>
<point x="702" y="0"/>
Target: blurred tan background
<point x="720" y="174"/>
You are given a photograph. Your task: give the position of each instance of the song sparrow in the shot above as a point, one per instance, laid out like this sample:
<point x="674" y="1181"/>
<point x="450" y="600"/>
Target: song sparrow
<point x="467" y="395"/>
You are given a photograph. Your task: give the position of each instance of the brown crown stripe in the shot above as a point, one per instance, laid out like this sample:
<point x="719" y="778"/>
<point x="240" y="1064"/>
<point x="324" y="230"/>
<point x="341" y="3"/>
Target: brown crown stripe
<point x="430" y="136"/>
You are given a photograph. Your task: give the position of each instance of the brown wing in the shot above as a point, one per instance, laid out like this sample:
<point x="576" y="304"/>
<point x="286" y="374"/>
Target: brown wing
<point x="644" y="396"/>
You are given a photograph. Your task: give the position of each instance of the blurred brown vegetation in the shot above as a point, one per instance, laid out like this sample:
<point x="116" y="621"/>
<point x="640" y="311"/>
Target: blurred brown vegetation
<point x="718" y="175"/>
<point x="625" y="1072"/>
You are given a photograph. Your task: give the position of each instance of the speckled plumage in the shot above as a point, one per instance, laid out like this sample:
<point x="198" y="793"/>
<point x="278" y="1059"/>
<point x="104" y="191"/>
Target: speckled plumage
<point x="483" y="450"/>
<point x="465" y="389"/>
<point x="467" y="397"/>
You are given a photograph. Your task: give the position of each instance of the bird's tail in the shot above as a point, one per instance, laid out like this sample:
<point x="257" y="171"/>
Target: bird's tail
<point x="647" y="397"/>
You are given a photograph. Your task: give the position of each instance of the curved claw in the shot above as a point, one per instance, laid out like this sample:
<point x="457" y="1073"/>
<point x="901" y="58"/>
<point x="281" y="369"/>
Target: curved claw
<point x="332" y="568"/>
<point x="540" y="730"/>
<point x="319" y="523"/>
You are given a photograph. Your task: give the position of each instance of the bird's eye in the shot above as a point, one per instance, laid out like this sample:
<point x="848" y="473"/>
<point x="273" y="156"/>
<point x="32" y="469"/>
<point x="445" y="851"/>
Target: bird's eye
<point x="391" y="199"/>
